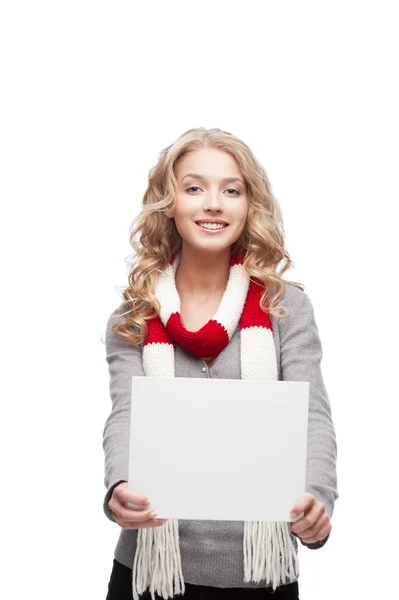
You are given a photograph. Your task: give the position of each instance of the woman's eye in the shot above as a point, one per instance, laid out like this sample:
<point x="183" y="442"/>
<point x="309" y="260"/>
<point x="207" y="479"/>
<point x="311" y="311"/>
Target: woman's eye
<point x="229" y="189"/>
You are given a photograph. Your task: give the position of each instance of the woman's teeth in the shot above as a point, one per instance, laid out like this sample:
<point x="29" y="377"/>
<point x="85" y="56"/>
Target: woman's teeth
<point x="212" y="225"/>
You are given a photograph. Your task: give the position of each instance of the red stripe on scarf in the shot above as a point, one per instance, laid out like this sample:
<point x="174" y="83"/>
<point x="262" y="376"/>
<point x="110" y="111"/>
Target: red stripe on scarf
<point x="236" y="258"/>
<point x="252" y="314"/>
<point x="206" y="342"/>
<point x="157" y="333"/>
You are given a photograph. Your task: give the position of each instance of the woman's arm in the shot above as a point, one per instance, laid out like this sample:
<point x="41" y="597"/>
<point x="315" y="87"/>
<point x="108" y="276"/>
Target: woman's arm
<point x="124" y="361"/>
<point x="301" y="354"/>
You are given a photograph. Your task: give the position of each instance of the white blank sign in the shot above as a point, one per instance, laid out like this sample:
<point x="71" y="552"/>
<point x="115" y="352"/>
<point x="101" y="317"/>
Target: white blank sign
<point x="223" y="449"/>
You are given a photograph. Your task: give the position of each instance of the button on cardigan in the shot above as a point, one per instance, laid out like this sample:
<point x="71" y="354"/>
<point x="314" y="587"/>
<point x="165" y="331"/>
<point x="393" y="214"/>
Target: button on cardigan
<point x="212" y="551"/>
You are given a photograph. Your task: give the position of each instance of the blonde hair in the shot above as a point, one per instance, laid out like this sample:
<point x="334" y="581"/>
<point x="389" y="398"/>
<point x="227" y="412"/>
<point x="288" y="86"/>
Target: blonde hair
<point x="155" y="239"/>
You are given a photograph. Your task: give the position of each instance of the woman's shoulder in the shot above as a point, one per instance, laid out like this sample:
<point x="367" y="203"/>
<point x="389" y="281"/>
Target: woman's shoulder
<point x="113" y="340"/>
<point x="299" y="309"/>
<point x="117" y="316"/>
<point x="293" y="297"/>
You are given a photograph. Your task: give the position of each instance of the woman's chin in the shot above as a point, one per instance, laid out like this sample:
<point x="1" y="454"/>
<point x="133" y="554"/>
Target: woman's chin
<point x="208" y="245"/>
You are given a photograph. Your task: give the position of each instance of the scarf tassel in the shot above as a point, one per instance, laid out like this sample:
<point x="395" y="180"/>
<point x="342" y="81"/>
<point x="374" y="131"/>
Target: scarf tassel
<point x="269" y="553"/>
<point x="157" y="563"/>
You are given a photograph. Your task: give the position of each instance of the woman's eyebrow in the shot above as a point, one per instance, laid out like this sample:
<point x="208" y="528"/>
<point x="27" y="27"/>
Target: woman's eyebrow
<point x="202" y="178"/>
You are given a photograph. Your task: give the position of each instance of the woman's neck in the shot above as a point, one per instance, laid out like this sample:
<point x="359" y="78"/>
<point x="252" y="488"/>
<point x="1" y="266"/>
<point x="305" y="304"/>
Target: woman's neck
<point x="202" y="274"/>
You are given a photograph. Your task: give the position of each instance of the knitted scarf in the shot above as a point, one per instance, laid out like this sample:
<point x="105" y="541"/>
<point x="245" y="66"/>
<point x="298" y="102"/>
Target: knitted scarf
<point x="269" y="552"/>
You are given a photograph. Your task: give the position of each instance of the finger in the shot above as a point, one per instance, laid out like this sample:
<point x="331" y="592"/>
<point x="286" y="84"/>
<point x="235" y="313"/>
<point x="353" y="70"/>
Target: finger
<point x="303" y="505"/>
<point x="124" y="495"/>
<point x="317" y="535"/>
<point x="140" y="525"/>
<point x="308" y="523"/>
<point x="309" y="520"/>
<point x="316" y="531"/>
<point x="117" y="506"/>
<point x="131" y="516"/>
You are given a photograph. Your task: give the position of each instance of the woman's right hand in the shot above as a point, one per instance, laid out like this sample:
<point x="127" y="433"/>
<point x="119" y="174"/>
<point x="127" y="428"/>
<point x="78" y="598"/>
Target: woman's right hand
<point x="129" y="518"/>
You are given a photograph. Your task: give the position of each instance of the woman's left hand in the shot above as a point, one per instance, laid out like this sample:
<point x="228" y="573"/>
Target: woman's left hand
<point x="315" y="524"/>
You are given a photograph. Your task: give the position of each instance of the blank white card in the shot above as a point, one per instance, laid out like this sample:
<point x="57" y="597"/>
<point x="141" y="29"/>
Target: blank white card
<point x="223" y="449"/>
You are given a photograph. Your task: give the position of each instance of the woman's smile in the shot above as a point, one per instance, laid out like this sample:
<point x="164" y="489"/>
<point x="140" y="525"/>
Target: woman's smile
<point x="210" y="227"/>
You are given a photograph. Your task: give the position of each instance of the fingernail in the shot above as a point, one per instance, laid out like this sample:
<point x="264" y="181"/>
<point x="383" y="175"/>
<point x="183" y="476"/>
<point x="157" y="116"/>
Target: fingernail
<point x="153" y="514"/>
<point x="293" y="515"/>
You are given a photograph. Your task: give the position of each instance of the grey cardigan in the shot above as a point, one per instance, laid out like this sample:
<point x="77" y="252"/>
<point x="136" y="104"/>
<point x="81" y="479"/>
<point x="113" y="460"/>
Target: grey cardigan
<point x="212" y="551"/>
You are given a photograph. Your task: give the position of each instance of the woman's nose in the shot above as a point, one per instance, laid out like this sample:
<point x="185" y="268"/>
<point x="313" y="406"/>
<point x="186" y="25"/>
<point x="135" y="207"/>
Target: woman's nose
<point x="213" y="201"/>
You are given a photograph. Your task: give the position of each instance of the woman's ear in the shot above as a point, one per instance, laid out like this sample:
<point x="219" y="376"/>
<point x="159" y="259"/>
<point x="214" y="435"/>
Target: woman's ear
<point x="168" y="212"/>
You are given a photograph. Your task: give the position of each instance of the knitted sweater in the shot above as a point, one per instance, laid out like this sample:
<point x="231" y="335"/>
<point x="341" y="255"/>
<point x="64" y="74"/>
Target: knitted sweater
<point x="212" y="551"/>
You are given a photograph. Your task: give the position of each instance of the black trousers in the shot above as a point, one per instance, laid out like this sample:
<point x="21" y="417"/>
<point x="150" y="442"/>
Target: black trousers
<point x="120" y="588"/>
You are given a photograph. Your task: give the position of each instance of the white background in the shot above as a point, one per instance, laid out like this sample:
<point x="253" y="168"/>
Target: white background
<point x="91" y="93"/>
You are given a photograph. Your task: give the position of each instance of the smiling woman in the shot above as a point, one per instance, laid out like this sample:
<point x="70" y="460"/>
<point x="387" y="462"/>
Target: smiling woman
<point x="204" y="300"/>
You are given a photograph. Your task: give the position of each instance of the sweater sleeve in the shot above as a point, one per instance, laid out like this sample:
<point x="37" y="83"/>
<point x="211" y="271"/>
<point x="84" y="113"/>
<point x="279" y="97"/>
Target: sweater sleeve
<point x="301" y="354"/>
<point x="124" y="361"/>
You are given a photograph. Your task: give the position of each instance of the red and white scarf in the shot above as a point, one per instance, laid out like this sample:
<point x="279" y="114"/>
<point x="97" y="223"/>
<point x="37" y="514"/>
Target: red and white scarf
<point x="269" y="552"/>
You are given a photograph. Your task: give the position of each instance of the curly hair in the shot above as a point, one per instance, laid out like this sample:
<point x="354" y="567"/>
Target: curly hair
<point x="155" y="239"/>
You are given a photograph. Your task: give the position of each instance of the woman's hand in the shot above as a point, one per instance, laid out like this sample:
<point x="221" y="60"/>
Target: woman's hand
<point x="129" y="518"/>
<point x="315" y="524"/>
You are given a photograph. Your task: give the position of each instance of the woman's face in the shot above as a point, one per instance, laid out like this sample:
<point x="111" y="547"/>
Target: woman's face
<point x="210" y="189"/>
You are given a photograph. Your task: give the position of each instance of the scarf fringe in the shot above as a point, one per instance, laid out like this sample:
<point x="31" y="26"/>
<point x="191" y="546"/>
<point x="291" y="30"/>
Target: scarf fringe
<point x="270" y="539"/>
<point x="157" y="562"/>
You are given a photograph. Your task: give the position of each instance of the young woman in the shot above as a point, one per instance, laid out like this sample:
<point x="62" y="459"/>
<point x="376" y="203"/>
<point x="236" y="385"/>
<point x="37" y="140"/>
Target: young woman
<point x="205" y="300"/>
